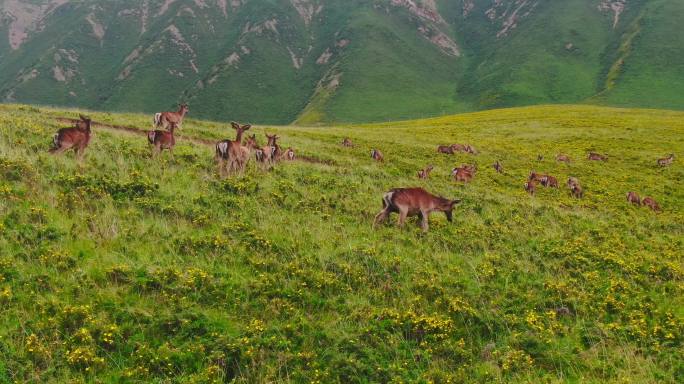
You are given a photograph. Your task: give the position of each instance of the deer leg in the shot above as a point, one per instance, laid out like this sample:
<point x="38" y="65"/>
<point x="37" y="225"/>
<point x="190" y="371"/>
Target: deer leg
<point x="402" y="216"/>
<point x="424" y="221"/>
<point x="381" y="217"/>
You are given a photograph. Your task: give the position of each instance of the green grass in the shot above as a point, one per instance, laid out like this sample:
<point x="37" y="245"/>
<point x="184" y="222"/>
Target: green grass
<point x="132" y="269"/>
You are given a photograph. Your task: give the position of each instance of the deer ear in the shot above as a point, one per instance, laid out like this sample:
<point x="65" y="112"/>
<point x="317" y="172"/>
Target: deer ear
<point x="454" y="202"/>
<point x="234" y="125"/>
<point x="246" y="127"/>
<point x="83" y="117"/>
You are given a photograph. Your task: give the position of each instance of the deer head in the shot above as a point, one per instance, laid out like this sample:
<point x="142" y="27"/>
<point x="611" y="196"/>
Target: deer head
<point x="240" y="130"/>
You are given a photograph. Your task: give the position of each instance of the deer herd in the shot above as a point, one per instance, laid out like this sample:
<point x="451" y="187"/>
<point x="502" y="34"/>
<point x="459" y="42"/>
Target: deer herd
<point x="232" y="157"/>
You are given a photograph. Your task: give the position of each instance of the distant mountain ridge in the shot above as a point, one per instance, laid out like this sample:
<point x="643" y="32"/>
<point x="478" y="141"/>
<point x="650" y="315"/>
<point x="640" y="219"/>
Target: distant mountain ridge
<point x="316" y="61"/>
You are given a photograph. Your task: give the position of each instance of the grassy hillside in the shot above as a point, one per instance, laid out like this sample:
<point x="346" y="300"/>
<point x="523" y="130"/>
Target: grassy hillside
<point x="321" y="61"/>
<point x="128" y="268"/>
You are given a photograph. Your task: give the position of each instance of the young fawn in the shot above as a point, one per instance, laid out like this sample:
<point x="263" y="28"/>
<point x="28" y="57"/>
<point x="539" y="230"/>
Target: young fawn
<point x="162" y="139"/>
<point x="413" y="202"/>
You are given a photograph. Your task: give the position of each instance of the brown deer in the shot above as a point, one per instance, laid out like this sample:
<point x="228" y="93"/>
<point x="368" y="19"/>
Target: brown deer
<point x="264" y="155"/>
<point x="272" y="142"/>
<point x="463" y="174"/>
<point x="446" y="149"/>
<point x="425" y="172"/>
<point x="76" y="138"/>
<point x="164" y="119"/>
<point x="597" y="156"/>
<point x="535" y="176"/>
<point x="162" y="139"/>
<point x="377" y="155"/>
<point x="664" y="162"/>
<point x="413" y="202"/>
<point x="531" y="186"/>
<point x="651" y="203"/>
<point x="498" y="167"/>
<point x="347" y="142"/>
<point x="549" y="181"/>
<point x="575" y="188"/>
<point x="470" y="149"/>
<point x="458" y="147"/>
<point x="289" y="154"/>
<point x="563" y="158"/>
<point x="230" y="154"/>
<point x="633" y="198"/>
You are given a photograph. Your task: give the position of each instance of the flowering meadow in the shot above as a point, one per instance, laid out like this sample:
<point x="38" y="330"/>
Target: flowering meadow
<point x="130" y="268"/>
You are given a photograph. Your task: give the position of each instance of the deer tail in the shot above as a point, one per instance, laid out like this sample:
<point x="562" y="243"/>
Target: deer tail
<point x="55" y="143"/>
<point x="157" y="119"/>
<point x="150" y="136"/>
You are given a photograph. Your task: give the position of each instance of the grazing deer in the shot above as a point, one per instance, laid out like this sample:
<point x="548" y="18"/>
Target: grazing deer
<point x="498" y="167"/>
<point x="377" y="155"/>
<point x="575" y="188"/>
<point x="531" y="186"/>
<point x="597" y="156"/>
<point x="549" y="181"/>
<point x="347" y="142"/>
<point x="446" y="149"/>
<point x="535" y="176"/>
<point x="425" y="172"/>
<point x="413" y="202"/>
<point x="230" y="154"/>
<point x="664" y="162"/>
<point x="463" y="174"/>
<point x="164" y="119"/>
<point x="563" y="158"/>
<point x="76" y="138"/>
<point x="651" y="203"/>
<point x="633" y="198"/>
<point x="163" y="139"/>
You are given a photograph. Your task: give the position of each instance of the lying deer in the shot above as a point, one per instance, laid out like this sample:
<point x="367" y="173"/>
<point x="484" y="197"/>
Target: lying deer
<point x="288" y="155"/>
<point x="463" y="174"/>
<point x="498" y="167"/>
<point x="664" y="162"/>
<point x="413" y="202"/>
<point x="563" y="158"/>
<point x="458" y="147"/>
<point x="377" y="155"/>
<point x="162" y="139"/>
<point x="651" y="203"/>
<point x="597" y="156"/>
<point x="164" y="119"/>
<point x="230" y="154"/>
<point x="633" y="198"/>
<point x="446" y="149"/>
<point x="575" y="188"/>
<point x="425" y="172"/>
<point x="347" y="142"/>
<point x="76" y="138"/>
<point x="470" y="149"/>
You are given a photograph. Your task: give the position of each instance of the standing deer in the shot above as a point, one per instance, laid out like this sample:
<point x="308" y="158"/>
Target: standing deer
<point x="162" y="139"/>
<point x="531" y="186"/>
<point x="563" y="158"/>
<point x="498" y="167"/>
<point x="413" y="202"/>
<point x="164" y="119"/>
<point x="549" y="181"/>
<point x="272" y="142"/>
<point x="230" y="154"/>
<point x="651" y="203"/>
<point x="575" y="188"/>
<point x="377" y="155"/>
<point x="76" y="138"/>
<point x="597" y="156"/>
<point x="633" y="198"/>
<point x="664" y="162"/>
<point x="463" y="174"/>
<point x="425" y="172"/>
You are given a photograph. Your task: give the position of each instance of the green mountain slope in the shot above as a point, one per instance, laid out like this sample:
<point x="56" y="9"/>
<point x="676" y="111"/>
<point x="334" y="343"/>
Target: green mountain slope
<point x="316" y="61"/>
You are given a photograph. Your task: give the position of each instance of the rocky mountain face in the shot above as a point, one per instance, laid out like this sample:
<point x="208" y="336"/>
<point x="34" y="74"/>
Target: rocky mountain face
<point x="311" y="61"/>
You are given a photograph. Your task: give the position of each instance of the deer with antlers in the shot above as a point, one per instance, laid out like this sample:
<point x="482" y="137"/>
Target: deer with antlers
<point x="163" y="139"/>
<point x="76" y="138"/>
<point x="231" y="155"/>
<point x="413" y="202"/>
<point x="164" y="119"/>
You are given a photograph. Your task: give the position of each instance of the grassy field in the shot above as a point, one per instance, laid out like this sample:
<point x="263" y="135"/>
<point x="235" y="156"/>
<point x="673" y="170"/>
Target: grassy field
<point x="127" y="268"/>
